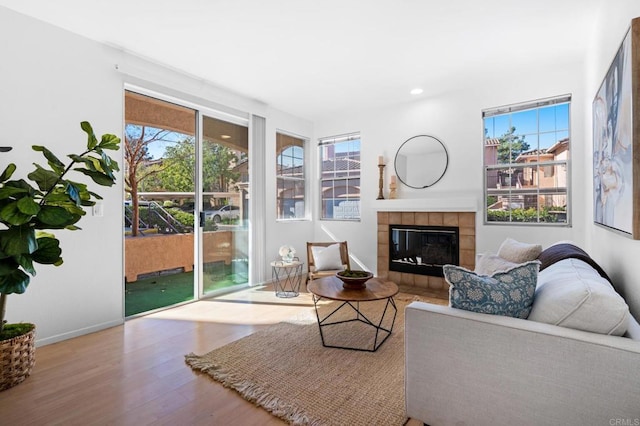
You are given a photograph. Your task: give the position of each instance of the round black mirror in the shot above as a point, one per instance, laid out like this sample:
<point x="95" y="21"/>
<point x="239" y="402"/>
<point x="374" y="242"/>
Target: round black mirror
<point x="421" y="161"/>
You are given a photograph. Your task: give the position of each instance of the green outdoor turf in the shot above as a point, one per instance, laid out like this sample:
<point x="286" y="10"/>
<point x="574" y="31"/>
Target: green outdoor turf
<point x="159" y="291"/>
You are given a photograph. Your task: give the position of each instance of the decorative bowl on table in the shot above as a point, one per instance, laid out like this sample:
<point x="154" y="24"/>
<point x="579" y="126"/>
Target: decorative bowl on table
<point x="354" y="280"/>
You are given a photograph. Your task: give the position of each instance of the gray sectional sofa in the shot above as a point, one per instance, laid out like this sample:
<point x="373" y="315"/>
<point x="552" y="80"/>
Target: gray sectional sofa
<point x="470" y="368"/>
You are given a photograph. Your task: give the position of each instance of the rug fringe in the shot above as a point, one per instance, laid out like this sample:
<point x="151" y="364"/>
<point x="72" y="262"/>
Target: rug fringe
<point x="252" y="392"/>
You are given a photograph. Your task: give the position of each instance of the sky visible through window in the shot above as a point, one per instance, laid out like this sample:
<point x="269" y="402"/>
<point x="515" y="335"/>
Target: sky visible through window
<point x="157" y="149"/>
<point x="542" y="127"/>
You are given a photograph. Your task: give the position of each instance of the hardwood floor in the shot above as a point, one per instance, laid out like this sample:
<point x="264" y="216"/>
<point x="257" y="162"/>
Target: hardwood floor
<point x="135" y="374"/>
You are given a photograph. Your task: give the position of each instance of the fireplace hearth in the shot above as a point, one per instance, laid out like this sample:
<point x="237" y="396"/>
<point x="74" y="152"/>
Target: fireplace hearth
<point x="464" y="220"/>
<point x="423" y="250"/>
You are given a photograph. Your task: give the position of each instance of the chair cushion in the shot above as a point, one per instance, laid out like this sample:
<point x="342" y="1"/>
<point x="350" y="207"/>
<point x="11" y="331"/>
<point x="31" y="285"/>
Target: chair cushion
<point x="327" y="258"/>
<point x="572" y="294"/>
<point x="508" y="293"/>
<point x="517" y="252"/>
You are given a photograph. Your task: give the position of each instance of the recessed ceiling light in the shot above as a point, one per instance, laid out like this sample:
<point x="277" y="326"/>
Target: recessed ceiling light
<point x="225" y="136"/>
<point x="416" y="91"/>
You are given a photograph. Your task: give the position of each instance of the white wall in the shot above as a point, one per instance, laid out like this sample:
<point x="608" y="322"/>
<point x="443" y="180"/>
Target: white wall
<point x="455" y="118"/>
<point x="294" y="233"/>
<point x="51" y="81"/>
<point x="617" y="254"/>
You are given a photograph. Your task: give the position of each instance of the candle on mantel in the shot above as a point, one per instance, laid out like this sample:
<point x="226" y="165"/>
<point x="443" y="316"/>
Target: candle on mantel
<point x="393" y="179"/>
<point x="380" y="160"/>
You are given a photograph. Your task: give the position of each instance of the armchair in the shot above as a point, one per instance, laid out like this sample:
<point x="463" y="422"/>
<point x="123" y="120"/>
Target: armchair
<point x="326" y="258"/>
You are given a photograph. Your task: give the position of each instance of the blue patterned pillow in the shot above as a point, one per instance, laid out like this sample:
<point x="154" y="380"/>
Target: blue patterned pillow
<point x="509" y="293"/>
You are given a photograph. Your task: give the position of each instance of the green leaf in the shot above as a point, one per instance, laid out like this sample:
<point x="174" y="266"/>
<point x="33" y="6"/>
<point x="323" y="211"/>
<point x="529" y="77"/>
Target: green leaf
<point x="98" y="177"/>
<point x="54" y="162"/>
<point x="12" y="215"/>
<point x="16" y="282"/>
<point x="45" y="179"/>
<point x="9" y="191"/>
<point x="25" y="261"/>
<point x="79" y="159"/>
<point x="96" y="196"/>
<point x="55" y="216"/>
<point x="8" y="172"/>
<point x="48" y="252"/>
<point x="18" y="240"/>
<point x="110" y="141"/>
<point x="27" y="206"/>
<point x="107" y="165"/>
<point x="8" y="265"/>
<point x="44" y="234"/>
<point x="59" y="199"/>
<point x="14" y="187"/>
<point x="92" y="142"/>
<point x="90" y="162"/>
<point x="73" y="192"/>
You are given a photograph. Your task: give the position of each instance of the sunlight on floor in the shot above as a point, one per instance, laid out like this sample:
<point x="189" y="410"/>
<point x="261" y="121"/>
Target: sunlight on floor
<point x="253" y="306"/>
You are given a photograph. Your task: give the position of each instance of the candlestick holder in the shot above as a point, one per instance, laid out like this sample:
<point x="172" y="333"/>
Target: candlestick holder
<point x="380" y="182"/>
<point x="392" y="191"/>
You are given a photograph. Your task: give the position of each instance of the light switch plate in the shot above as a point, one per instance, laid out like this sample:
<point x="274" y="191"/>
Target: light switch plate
<point x="98" y="209"/>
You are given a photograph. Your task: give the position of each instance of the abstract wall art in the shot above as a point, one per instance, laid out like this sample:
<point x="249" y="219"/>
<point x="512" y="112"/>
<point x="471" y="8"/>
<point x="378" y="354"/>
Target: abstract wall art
<point x="616" y="140"/>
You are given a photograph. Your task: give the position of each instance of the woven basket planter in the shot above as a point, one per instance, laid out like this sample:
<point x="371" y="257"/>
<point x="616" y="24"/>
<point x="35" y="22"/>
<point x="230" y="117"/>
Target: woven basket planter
<point x="17" y="357"/>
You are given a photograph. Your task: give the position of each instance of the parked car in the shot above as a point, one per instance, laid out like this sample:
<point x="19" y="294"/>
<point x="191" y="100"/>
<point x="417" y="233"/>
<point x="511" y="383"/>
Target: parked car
<point x="223" y="212"/>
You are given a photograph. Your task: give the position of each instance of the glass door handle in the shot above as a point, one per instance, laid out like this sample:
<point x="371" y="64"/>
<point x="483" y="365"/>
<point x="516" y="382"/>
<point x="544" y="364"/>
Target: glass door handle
<point x="202" y="219"/>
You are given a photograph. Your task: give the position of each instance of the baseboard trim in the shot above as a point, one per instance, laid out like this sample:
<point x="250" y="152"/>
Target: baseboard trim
<point x="77" y="333"/>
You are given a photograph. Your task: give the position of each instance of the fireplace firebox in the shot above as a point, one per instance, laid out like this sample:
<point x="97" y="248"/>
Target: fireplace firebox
<point x="423" y="250"/>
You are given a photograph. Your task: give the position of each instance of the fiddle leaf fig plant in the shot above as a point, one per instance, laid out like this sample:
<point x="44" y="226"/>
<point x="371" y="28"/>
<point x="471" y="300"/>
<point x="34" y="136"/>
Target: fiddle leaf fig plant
<point x="50" y="201"/>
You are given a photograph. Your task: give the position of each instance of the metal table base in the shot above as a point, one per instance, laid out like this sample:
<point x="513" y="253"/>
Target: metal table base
<point x="286" y="278"/>
<point x="381" y="334"/>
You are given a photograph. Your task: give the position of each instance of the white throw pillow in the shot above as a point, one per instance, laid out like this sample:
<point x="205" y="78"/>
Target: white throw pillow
<point x="517" y="252"/>
<point x="572" y="294"/>
<point x="489" y="264"/>
<point x="327" y="258"/>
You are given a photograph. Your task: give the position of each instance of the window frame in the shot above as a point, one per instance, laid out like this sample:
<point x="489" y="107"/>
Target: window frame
<point x="333" y="140"/>
<point x="537" y="167"/>
<point x="288" y="178"/>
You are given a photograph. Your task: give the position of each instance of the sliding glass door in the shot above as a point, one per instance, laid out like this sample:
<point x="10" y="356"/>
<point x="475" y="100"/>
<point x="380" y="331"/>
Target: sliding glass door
<point x="185" y="204"/>
<point x="225" y="185"/>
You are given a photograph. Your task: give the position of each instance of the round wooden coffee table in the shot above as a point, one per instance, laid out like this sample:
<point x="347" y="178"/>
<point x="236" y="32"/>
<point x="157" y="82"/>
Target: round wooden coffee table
<point x="376" y="289"/>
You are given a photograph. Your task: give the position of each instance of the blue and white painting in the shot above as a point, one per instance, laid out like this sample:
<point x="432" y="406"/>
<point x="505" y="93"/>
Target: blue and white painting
<point x="612" y="145"/>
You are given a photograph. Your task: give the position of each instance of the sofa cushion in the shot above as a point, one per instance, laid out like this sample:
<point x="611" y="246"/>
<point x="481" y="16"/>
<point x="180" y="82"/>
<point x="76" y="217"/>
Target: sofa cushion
<point x="572" y="294"/>
<point x="518" y="252"/>
<point x="561" y="250"/>
<point x="489" y="264"/>
<point x="508" y="293"/>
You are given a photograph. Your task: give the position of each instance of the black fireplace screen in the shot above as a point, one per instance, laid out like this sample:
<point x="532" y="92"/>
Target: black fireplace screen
<point x="422" y="250"/>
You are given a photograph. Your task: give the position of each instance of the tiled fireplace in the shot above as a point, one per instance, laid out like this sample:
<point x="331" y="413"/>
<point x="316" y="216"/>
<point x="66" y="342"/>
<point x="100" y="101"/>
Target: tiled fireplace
<point x="463" y="221"/>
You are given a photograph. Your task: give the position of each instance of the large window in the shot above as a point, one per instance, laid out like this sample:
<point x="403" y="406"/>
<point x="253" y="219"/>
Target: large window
<point x="526" y="161"/>
<point x="290" y="177"/>
<point x="340" y="177"/>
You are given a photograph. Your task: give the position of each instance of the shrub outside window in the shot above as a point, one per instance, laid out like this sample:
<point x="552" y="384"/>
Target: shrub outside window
<point x="526" y="162"/>
<point x="340" y="177"/>
<point x="290" y="177"/>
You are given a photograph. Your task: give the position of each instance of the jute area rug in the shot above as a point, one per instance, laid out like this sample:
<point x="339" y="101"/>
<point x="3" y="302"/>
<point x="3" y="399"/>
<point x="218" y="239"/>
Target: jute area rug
<point x="286" y="370"/>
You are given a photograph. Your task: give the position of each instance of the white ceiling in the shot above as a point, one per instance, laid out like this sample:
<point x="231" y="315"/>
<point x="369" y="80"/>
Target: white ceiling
<point x="313" y="58"/>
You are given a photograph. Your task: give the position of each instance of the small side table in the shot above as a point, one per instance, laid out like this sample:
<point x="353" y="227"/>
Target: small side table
<point x="286" y="277"/>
